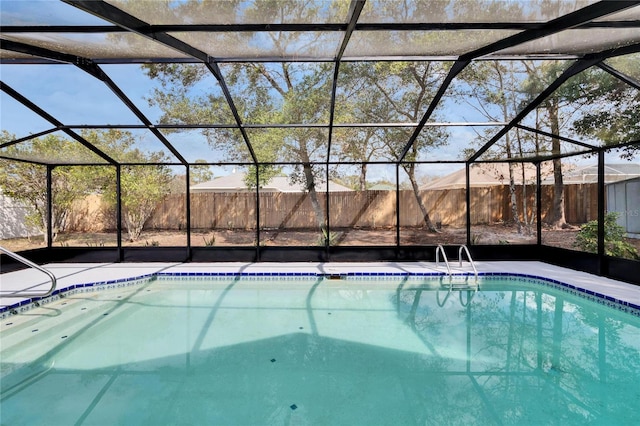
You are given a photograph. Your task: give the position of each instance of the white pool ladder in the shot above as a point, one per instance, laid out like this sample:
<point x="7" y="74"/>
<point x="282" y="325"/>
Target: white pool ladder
<point x="439" y="250"/>
<point x="29" y="263"/>
<point x="464" y="249"/>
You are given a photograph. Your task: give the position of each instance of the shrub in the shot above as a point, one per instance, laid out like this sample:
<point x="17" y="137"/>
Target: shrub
<point x="614" y="242"/>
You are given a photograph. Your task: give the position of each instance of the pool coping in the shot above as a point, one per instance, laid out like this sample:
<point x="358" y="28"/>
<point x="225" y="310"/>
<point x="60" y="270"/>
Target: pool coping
<point x="333" y="271"/>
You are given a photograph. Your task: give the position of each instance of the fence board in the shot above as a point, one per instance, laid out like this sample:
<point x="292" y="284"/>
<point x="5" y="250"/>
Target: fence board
<point x="365" y="209"/>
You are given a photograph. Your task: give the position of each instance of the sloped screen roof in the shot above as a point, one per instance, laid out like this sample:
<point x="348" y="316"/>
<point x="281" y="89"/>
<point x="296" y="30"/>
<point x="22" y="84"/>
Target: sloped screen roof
<point x="219" y="81"/>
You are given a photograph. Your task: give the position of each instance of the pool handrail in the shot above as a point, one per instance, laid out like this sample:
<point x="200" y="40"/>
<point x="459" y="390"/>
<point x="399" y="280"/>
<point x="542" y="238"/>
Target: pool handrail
<point x="463" y="248"/>
<point x="439" y="250"/>
<point x="31" y="265"/>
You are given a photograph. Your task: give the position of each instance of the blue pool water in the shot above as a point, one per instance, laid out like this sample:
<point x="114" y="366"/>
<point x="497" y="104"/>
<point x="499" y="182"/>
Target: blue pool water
<point x="391" y="350"/>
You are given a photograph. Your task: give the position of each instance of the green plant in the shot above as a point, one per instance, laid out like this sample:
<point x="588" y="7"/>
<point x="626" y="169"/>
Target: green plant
<point x="210" y="241"/>
<point x="95" y="244"/>
<point x="334" y="238"/>
<point x="614" y="243"/>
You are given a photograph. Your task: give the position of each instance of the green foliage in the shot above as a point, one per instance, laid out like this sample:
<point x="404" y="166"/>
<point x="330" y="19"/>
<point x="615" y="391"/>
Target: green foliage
<point x="614" y="243"/>
<point x="333" y="237"/>
<point x="27" y="182"/>
<point x="142" y="186"/>
<point x="200" y="172"/>
<point x="211" y="241"/>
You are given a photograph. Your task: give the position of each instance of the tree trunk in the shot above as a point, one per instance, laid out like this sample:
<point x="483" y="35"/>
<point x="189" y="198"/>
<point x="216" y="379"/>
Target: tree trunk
<point x="363" y="177"/>
<point x="313" y="195"/>
<point x="514" y="201"/>
<point x="512" y="186"/>
<point x="558" y="217"/>
<point x="416" y="191"/>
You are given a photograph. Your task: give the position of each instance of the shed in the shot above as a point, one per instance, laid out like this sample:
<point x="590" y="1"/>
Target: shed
<point x="624" y="197"/>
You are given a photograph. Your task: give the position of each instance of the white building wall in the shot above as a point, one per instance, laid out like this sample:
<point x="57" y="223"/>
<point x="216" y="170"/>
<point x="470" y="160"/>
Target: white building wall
<point x="12" y="222"/>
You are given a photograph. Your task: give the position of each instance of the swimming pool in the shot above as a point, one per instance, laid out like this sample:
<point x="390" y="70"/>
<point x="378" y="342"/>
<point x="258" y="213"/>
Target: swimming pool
<point x="322" y="349"/>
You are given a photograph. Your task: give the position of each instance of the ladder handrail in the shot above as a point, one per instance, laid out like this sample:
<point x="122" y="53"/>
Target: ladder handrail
<point x="32" y="265"/>
<point x="440" y="249"/>
<point x="466" y="250"/>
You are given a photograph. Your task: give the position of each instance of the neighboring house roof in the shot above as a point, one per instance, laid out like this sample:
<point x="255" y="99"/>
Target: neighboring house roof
<point x="589" y="174"/>
<point x="483" y="174"/>
<point x="235" y="183"/>
<point x="383" y="187"/>
<point x="489" y="174"/>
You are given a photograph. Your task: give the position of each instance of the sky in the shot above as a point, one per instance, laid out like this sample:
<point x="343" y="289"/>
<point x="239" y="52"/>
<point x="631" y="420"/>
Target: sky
<point x="74" y="97"/>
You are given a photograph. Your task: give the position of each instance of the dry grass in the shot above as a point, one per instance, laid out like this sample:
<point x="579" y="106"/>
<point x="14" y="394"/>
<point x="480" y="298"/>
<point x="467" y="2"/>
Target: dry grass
<point x="485" y="234"/>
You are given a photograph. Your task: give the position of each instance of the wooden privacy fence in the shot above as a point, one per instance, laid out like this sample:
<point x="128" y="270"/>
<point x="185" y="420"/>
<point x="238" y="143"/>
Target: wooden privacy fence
<point x="367" y="209"/>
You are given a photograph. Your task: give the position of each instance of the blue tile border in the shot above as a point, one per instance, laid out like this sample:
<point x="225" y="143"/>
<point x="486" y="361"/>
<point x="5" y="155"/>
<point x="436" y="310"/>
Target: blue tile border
<point x="599" y="298"/>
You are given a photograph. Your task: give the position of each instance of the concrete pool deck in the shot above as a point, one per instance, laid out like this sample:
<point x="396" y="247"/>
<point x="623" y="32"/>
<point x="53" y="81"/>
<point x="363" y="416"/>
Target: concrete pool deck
<point x="69" y="274"/>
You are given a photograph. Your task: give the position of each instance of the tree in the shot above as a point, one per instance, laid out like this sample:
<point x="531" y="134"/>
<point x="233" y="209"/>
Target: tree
<point x="401" y="92"/>
<point x="611" y="109"/>
<point x="264" y="93"/>
<point x="27" y="182"/>
<point x="592" y="103"/>
<point x="142" y="186"/>
<point x="199" y="172"/>
<point x="493" y="89"/>
<point x="354" y="104"/>
<point x="550" y="115"/>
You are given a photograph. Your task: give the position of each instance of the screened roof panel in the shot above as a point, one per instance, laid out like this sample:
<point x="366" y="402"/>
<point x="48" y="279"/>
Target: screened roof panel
<point x="210" y="146"/>
<point x="9" y="54"/>
<point x="522" y="145"/>
<point x="387" y="92"/>
<point x="97" y="45"/>
<point x="71" y="95"/>
<point x="631" y="14"/>
<point x="130" y="145"/>
<point x="280" y="92"/>
<point x="44" y="12"/>
<point x="436" y="11"/>
<point x="285" y="45"/>
<point x="269" y="66"/>
<point x="54" y="148"/>
<point x="450" y="143"/>
<point x="495" y="91"/>
<point x="592" y="107"/>
<point x="627" y="64"/>
<point x="18" y="120"/>
<point x="361" y="144"/>
<point x="224" y="12"/>
<point x="399" y="44"/>
<point x="296" y="145"/>
<point x="184" y="94"/>
<point x="137" y="86"/>
<point x="577" y="42"/>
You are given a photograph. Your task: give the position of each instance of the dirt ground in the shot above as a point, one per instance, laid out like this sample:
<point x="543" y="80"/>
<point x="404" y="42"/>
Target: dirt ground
<point x="496" y="234"/>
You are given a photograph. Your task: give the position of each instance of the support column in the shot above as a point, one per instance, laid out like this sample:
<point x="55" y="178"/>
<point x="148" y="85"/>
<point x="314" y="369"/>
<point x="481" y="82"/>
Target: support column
<point x="602" y="267"/>
<point x="49" y="206"/>
<point x="119" y="212"/>
<point x="398" y="205"/>
<point x="538" y="205"/>
<point x="467" y="200"/>
<point x="188" y="210"/>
